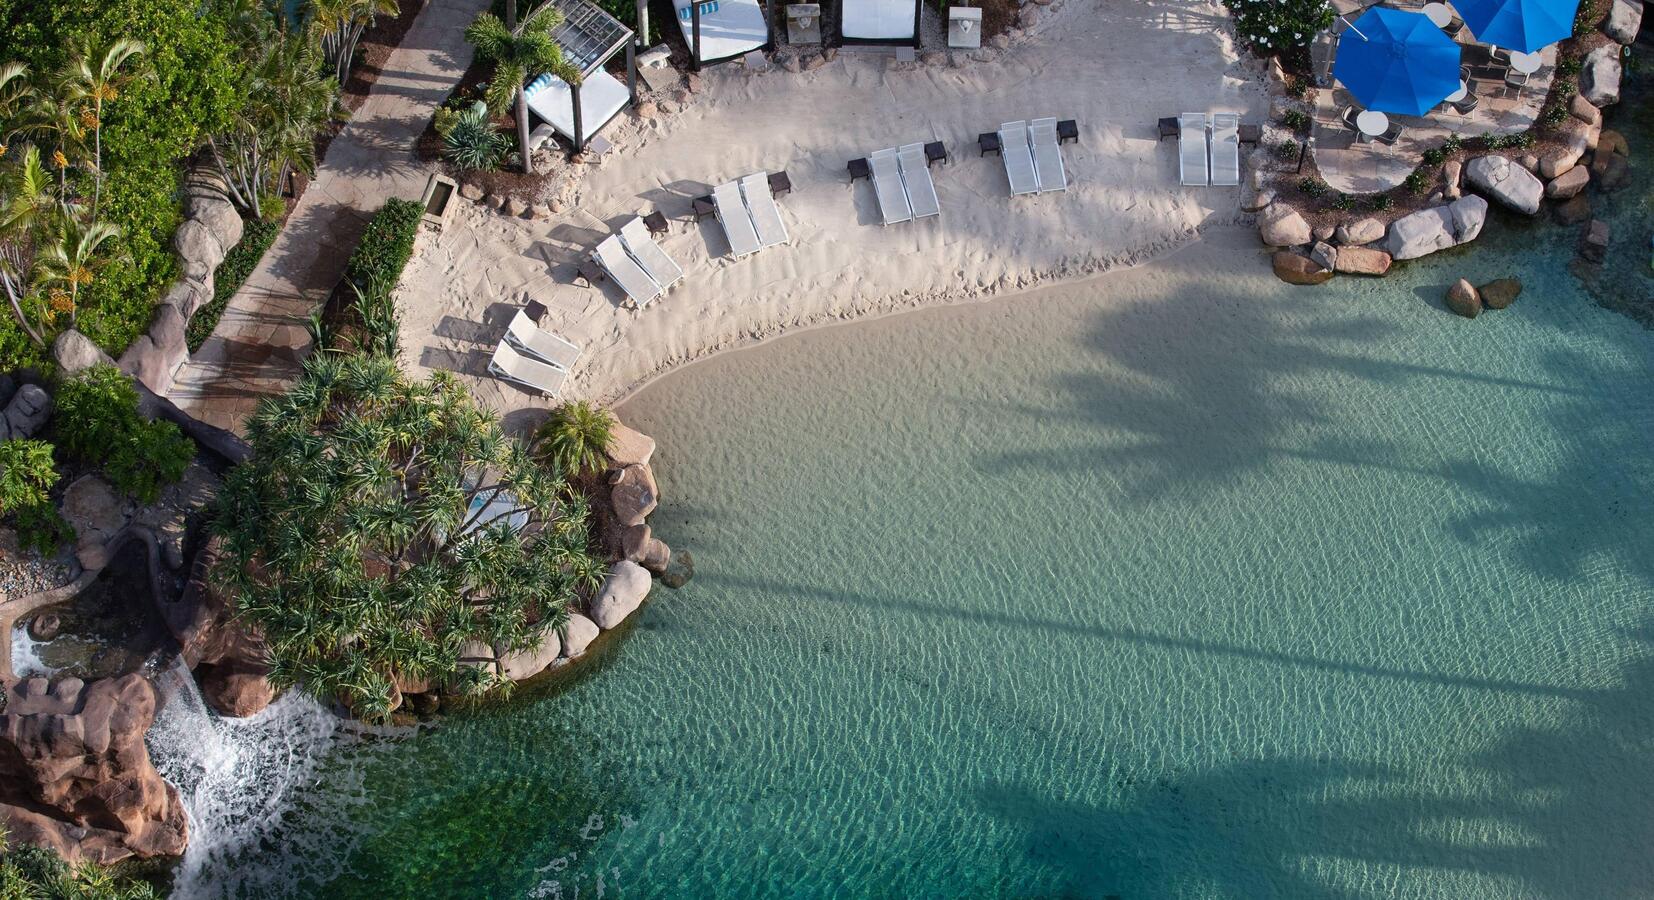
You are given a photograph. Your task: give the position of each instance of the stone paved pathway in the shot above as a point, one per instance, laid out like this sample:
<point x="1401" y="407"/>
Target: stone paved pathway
<point x="262" y="336"/>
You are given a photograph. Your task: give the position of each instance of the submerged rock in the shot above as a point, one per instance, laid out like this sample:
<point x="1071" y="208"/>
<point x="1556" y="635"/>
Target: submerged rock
<point x="1576" y="210"/>
<point x="1463" y="299"/>
<point x="1295" y="268"/>
<point x="1363" y="261"/>
<point x="1500" y="293"/>
<point x="679" y="571"/>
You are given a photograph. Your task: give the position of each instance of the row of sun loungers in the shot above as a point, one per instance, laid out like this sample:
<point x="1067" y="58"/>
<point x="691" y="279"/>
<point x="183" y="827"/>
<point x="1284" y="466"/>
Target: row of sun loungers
<point x="636" y="263"/>
<point x="532" y="357"/>
<point x="902" y="184"/>
<point x="748" y="212"/>
<point x="1208" y="149"/>
<point x="1033" y="161"/>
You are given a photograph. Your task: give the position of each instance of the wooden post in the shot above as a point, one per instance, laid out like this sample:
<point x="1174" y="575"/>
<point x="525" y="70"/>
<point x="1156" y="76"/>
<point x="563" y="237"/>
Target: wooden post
<point x="695" y="30"/>
<point x="918" y="14"/>
<point x="579" y="127"/>
<point x="631" y="71"/>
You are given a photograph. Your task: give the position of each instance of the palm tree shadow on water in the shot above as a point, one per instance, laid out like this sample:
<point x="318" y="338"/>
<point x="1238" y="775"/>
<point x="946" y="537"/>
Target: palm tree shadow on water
<point x="1562" y="810"/>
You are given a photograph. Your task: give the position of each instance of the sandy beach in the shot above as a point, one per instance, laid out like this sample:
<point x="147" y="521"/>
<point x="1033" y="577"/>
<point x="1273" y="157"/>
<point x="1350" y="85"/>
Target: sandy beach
<point x="1114" y="68"/>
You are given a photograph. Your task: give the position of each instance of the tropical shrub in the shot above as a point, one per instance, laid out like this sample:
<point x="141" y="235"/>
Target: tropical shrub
<point x="386" y="245"/>
<point x="26" y="474"/>
<point x="382" y="524"/>
<point x="1434" y="156"/>
<point x="1295" y="119"/>
<point x="256" y="237"/>
<point x="1343" y="202"/>
<point x="473" y="143"/>
<point x="1420" y="180"/>
<point x="338" y="25"/>
<point x="1381" y="202"/>
<point x="575" y="438"/>
<point x="1312" y="187"/>
<point x="518" y="52"/>
<point x="28" y="872"/>
<point x="1277" y="27"/>
<point x="1286" y="149"/>
<point x="97" y="421"/>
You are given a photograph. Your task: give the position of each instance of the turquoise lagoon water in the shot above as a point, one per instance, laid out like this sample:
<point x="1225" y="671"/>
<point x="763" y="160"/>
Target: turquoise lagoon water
<point x="1180" y="583"/>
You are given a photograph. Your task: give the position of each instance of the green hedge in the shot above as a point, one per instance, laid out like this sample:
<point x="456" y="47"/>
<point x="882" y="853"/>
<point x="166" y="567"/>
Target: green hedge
<point x="256" y="238"/>
<point x="386" y="246"/>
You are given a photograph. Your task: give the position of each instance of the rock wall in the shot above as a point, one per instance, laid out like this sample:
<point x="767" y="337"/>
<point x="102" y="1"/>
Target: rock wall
<point x="75" y="774"/>
<point x="227" y="659"/>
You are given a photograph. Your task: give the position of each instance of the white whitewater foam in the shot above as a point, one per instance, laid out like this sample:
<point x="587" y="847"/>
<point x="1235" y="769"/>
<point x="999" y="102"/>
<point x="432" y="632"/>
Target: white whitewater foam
<point x="239" y="780"/>
<point x="25" y="654"/>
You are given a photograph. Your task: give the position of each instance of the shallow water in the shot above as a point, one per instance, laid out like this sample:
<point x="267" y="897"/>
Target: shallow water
<point x="1180" y="583"/>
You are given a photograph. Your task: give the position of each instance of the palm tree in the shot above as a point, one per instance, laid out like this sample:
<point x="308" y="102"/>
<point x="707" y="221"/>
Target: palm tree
<point x="338" y="26"/>
<point x="95" y="77"/>
<point x="288" y="103"/>
<point x="518" y="52"/>
<point x="576" y="438"/>
<point x="64" y="265"/>
<point x="28" y="207"/>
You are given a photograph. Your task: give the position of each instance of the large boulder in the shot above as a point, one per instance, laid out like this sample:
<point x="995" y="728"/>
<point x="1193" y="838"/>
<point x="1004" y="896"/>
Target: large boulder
<point x="1296" y="268"/>
<point x="1437" y="228"/>
<point x="1625" y="19"/>
<point x="198" y="250"/>
<point x="155" y="356"/>
<point x="622" y="593"/>
<point x="76" y="777"/>
<point x="216" y="214"/>
<point x="1583" y="110"/>
<point x="1463" y="299"/>
<point x="578" y="634"/>
<point x="641" y="546"/>
<point x="1557" y="162"/>
<point x="236" y="691"/>
<point x="1363" y="261"/>
<point x="1280" y="225"/>
<point x="1506" y="182"/>
<point x="633" y="494"/>
<point x="1500" y="293"/>
<point x="1568" y="184"/>
<point x="1361" y="231"/>
<point x="28" y="409"/>
<point x="1599" y="80"/>
<point x="74" y="352"/>
<point x="629" y="448"/>
<point x="519" y="664"/>
<point x="97" y="512"/>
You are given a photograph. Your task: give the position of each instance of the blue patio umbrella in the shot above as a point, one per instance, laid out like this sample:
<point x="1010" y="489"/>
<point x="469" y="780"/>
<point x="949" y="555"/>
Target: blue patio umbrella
<point x="1525" y="25"/>
<point x="1397" y="62"/>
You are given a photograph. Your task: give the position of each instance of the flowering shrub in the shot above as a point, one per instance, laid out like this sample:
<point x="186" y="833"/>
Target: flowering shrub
<point x="1276" y="27"/>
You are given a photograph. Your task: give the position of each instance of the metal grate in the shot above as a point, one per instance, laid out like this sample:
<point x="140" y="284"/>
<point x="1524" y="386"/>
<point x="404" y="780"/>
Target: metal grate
<point x="588" y="35"/>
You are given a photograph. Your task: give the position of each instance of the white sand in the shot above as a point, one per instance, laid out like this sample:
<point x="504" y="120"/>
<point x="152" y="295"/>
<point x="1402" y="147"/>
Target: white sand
<point x="1114" y="66"/>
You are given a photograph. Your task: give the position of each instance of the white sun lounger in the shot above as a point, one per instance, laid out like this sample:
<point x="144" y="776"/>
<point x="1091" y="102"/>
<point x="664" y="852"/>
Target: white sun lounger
<point x="737" y="222"/>
<point x="921" y="191"/>
<point x="528" y="337"/>
<point x="887" y="186"/>
<point x="1191" y="148"/>
<point x="1019" y="160"/>
<point x="1225" y="149"/>
<point x="766" y="214"/>
<point x="517" y="368"/>
<point x="614" y="259"/>
<point x="649" y="255"/>
<point x="1042" y="135"/>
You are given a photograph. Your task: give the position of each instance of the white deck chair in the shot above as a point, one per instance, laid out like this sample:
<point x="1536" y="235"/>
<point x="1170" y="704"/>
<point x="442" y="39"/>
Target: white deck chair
<point x="1191" y="148"/>
<point x="737" y="222"/>
<point x="887" y="186"/>
<point x="635" y="235"/>
<point x="921" y="191"/>
<point x="1225" y="149"/>
<point x="509" y="365"/>
<point x="765" y="212"/>
<point x="637" y="284"/>
<point x="528" y="337"/>
<point x="1019" y="160"/>
<point x="1042" y="134"/>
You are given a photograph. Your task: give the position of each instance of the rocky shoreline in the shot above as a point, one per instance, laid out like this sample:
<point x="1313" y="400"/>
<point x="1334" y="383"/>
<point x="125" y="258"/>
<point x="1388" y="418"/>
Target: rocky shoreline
<point x="1311" y="247"/>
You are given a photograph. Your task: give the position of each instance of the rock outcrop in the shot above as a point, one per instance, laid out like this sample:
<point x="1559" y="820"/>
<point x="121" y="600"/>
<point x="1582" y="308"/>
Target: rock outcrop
<point x="634" y="494"/>
<point x="1625" y="19"/>
<point x="1361" y="231"/>
<point x="1599" y="80"/>
<point x="97" y="512"/>
<point x="227" y="659"/>
<point x="1296" y="268"/>
<point x="1463" y="299"/>
<point x="75" y="352"/>
<point x="1510" y="184"/>
<point x="622" y="593"/>
<point x="75" y="775"/>
<point x="519" y="664"/>
<point x="1363" y="261"/>
<point x="1279" y="225"/>
<point x="578" y="634"/>
<point x="25" y="413"/>
<point x="1438" y="228"/>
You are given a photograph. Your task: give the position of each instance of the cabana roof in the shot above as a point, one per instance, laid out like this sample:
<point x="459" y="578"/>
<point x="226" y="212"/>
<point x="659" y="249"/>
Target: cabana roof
<point x="588" y="35"/>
